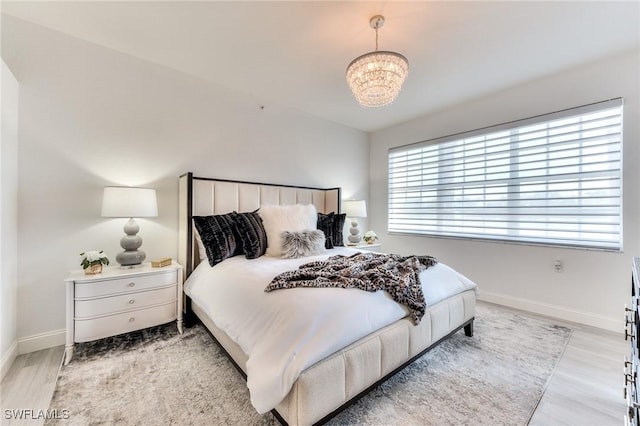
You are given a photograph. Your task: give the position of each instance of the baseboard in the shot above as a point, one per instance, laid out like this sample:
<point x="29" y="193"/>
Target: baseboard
<point x="560" y="312"/>
<point x="7" y="359"/>
<point x="41" y="341"/>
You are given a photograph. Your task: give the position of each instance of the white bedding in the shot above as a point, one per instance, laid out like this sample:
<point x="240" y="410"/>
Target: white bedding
<point x="285" y="331"/>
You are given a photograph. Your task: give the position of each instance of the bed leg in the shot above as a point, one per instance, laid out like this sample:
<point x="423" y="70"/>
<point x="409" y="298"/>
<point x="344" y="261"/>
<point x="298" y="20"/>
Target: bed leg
<point x="468" y="329"/>
<point x="189" y="318"/>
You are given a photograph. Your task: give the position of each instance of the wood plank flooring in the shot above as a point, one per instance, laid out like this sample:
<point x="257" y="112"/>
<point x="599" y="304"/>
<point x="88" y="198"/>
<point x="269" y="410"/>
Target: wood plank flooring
<point x="29" y="385"/>
<point x="585" y="389"/>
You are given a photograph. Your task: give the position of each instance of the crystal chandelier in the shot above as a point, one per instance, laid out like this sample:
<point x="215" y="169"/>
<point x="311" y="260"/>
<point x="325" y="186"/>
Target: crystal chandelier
<point x="376" y="77"/>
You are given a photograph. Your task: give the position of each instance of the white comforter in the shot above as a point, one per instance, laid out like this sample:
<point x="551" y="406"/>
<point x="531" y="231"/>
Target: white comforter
<point x="285" y="331"/>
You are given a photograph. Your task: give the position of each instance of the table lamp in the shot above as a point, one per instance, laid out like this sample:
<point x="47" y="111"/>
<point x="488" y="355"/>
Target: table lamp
<point x="353" y="210"/>
<point x="119" y="201"/>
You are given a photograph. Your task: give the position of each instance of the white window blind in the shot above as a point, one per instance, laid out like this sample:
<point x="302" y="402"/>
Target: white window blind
<point x="554" y="179"/>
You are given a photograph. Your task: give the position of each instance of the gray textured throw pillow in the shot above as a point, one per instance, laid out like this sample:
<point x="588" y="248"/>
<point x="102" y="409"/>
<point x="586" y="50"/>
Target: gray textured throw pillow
<point x="302" y="244"/>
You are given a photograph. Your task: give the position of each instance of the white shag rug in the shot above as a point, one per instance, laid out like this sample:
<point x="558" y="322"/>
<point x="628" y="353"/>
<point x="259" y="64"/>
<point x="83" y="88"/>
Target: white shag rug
<point x="158" y="377"/>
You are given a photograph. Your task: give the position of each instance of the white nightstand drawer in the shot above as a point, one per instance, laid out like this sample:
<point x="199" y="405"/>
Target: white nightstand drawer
<point x="108" y="305"/>
<point x="98" y="328"/>
<point x="120" y="285"/>
<point x="120" y="300"/>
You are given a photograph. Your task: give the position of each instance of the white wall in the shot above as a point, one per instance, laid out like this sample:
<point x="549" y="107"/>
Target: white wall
<point x="8" y="220"/>
<point x="594" y="285"/>
<point x="90" y="117"/>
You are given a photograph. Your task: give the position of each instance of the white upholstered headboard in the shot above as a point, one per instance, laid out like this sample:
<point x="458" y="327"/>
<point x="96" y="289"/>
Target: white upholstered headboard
<point x="204" y="196"/>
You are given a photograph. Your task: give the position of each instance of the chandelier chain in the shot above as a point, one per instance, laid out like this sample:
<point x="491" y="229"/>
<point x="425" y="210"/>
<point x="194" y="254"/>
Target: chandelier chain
<point x="376" y="38"/>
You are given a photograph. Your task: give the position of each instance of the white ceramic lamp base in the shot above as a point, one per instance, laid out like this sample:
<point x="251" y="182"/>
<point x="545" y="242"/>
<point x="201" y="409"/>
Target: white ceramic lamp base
<point x="354" y="233"/>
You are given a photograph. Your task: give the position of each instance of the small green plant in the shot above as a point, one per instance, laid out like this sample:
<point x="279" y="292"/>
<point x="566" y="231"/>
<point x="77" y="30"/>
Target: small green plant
<point x="370" y="236"/>
<point x="93" y="257"/>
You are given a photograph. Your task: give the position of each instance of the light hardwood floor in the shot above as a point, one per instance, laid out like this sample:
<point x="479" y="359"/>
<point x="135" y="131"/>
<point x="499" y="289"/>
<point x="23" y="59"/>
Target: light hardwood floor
<point x="29" y="385"/>
<point x="585" y="388"/>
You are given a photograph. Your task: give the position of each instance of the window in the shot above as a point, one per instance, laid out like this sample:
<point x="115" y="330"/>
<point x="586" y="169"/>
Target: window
<point x="554" y="179"/>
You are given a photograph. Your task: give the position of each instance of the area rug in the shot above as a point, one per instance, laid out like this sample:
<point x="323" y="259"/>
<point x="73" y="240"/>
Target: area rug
<point x="158" y="377"/>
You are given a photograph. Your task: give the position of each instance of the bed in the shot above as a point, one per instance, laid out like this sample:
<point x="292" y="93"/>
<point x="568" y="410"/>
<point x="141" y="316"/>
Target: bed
<point x="345" y="371"/>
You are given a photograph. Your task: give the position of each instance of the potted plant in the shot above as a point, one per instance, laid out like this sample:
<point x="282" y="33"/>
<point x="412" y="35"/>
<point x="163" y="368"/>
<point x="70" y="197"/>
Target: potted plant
<point x="92" y="261"/>
<point x="370" y="237"/>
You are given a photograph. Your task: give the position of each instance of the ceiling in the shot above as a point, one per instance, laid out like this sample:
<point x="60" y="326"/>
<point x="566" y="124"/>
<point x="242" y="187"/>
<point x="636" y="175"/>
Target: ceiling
<point x="294" y="54"/>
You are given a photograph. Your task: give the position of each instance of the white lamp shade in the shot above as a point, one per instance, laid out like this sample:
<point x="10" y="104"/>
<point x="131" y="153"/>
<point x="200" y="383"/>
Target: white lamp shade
<point x="355" y="208"/>
<point x="123" y="201"/>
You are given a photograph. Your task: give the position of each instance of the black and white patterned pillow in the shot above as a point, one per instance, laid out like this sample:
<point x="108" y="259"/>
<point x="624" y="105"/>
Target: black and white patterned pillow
<point x="302" y="243"/>
<point x="332" y="225"/>
<point x="218" y="237"/>
<point x="252" y="234"/>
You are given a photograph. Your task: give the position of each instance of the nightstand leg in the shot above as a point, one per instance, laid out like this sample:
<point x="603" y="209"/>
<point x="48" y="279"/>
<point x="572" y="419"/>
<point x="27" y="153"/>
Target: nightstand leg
<point x="180" y="297"/>
<point x="68" y="354"/>
<point x="69" y="335"/>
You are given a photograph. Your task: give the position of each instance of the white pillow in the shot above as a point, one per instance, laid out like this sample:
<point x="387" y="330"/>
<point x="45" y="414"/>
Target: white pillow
<point x="277" y="219"/>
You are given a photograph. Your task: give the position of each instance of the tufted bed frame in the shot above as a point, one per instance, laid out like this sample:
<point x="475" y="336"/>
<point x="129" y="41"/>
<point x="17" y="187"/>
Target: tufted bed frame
<point x="331" y="385"/>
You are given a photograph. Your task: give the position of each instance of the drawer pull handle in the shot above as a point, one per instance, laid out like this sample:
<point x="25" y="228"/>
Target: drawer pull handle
<point x="626" y="395"/>
<point x="132" y="284"/>
<point x="628" y="379"/>
<point x="132" y="319"/>
<point x="628" y="315"/>
<point x="131" y="302"/>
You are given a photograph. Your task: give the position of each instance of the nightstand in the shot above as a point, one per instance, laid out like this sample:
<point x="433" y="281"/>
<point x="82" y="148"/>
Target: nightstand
<point x="368" y="247"/>
<point x="120" y="300"/>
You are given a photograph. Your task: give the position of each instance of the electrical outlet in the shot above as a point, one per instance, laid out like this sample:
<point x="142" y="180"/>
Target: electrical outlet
<point x="557" y="265"/>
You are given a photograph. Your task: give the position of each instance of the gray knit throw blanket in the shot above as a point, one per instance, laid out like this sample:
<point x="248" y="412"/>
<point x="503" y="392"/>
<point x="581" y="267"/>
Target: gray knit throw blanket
<point x="397" y="275"/>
